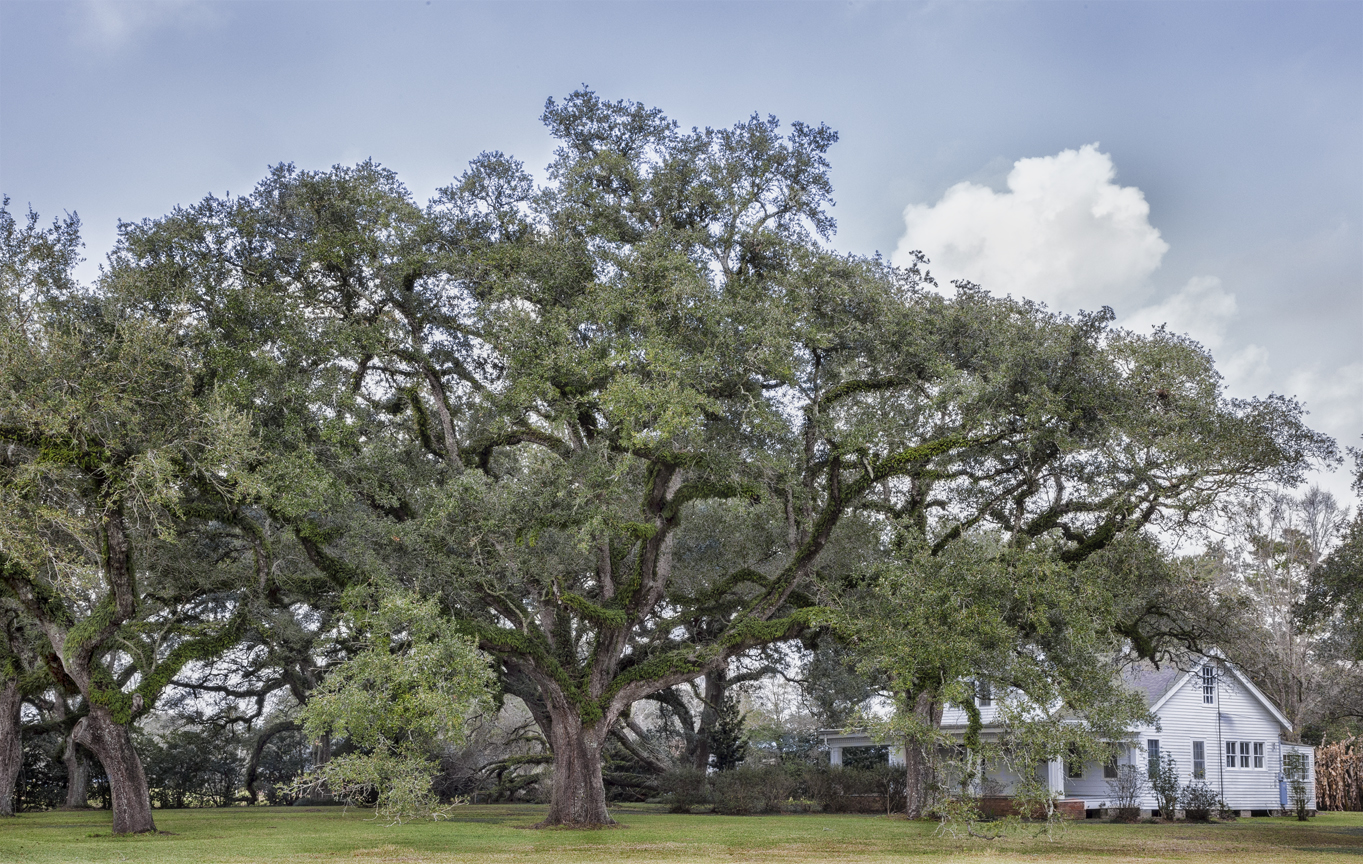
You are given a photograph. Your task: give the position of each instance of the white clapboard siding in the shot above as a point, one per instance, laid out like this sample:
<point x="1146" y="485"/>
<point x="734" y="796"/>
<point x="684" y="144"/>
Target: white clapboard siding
<point x="955" y="717"/>
<point x="1238" y="713"/>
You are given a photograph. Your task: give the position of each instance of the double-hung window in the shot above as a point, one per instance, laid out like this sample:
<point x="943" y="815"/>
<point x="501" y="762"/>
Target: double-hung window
<point x="1208" y="685"/>
<point x="984" y="697"/>
<point x="1239" y="754"/>
<point x="1199" y="760"/>
<point x="1152" y="756"/>
<point x="1296" y="766"/>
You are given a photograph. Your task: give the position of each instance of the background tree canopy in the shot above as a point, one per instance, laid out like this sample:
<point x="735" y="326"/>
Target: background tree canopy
<point x="632" y="424"/>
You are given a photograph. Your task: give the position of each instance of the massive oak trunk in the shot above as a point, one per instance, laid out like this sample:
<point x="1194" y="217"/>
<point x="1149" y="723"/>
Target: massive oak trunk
<point x="709" y="719"/>
<point x="11" y="750"/>
<point x="77" y="776"/>
<point x="918" y="762"/>
<point x="112" y="743"/>
<point x="578" y="797"/>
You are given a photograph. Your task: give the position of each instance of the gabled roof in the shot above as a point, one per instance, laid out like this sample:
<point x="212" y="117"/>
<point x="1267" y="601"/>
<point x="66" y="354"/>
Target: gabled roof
<point x="1153" y="683"/>
<point x="1159" y="685"/>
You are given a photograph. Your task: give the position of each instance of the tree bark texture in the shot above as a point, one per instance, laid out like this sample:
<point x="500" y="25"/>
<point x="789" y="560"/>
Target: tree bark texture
<point x="918" y="762"/>
<point x="709" y="718"/>
<point x="578" y="797"/>
<point x="77" y="776"/>
<point x="11" y="749"/>
<point x="112" y="743"/>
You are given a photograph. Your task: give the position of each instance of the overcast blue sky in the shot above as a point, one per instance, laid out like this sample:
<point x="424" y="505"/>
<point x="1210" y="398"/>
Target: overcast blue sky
<point x="1224" y="194"/>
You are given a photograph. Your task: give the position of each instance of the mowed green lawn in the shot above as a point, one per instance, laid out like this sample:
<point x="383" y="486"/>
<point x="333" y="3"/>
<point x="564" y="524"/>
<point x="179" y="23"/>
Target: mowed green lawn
<point x="491" y="833"/>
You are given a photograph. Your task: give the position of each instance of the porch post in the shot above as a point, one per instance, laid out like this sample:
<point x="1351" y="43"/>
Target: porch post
<point x="1055" y="777"/>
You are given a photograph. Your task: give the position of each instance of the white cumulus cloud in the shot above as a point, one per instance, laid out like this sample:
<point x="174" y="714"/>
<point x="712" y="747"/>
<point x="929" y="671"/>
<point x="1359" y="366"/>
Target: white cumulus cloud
<point x="1064" y="233"/>
<point x="1202" y="309"/>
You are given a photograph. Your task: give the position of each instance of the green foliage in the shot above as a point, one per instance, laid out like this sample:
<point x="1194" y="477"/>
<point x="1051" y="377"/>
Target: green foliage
<point x="412" y="687"/>
<point x="1335" y="592"/>
<point x="42" y="777"/>
<point x="832" y="787"/>
<point x="728" y="738"/>
<point x="396" y="785"/>
<point x="550" y="407"/>
<point x="1200" y="802"/>
<point x="685" y="788"/>
<point x="1040" y="633"/>
<point x="284" y="759"/>
<point x="1164" y="783"/>
<point x="192" y="767"/>
<point x="750" y="791"/>
<point x="1296" y="769"/>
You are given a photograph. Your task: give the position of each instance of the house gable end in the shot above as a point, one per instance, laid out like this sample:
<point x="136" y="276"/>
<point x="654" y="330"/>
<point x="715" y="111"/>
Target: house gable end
<point x="1261" y="698"/>
<point x="1169" y="694"/>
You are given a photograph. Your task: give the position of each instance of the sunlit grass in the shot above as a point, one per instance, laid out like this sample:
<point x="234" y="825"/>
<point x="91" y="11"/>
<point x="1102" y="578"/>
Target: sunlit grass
<point x="494" y="834"/>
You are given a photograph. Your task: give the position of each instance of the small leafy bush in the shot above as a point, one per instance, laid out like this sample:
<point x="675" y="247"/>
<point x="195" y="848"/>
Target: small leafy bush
<point x="833" y="788"/>
<point x="1164" y="782"/>
<point x="1200" y="802"/>
<point x="407" y="693"/>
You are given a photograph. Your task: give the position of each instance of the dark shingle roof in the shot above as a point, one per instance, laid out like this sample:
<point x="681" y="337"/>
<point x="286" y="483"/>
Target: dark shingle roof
<point x="1154" y="683"/>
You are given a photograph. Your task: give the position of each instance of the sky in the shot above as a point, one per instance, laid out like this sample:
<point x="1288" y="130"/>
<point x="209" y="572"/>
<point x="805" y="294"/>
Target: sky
<point x="1198" y="165"/>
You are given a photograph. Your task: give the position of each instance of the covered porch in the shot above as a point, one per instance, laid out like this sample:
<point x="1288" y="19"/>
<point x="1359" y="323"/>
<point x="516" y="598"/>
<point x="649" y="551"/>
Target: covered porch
<point x="993" y="785"/>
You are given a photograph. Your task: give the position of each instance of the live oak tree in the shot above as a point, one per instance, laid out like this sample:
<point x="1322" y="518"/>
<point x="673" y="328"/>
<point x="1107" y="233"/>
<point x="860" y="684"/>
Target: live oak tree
<point x="983" y="617"/>
<point x="103" y="436"/>
<point x="536" y="403"/>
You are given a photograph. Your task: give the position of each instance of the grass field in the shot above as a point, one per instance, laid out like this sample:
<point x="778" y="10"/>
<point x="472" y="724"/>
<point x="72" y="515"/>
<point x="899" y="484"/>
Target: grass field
<point x="493" y="834"/>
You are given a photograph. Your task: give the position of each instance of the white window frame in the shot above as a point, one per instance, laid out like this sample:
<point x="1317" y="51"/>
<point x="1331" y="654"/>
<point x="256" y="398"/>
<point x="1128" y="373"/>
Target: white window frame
<point x="1246" y="755"/>
<point x="1208" y="685"/>
<point x="1297" y="765"/>
<point x="1199" y="774"/>
<point x="984" y="694"/>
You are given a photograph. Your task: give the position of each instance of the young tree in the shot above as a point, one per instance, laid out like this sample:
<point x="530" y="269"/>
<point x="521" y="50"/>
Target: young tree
<point x="412" y="688"/>
<point x="1334" y="597"/>
<point x="982" y="616"/>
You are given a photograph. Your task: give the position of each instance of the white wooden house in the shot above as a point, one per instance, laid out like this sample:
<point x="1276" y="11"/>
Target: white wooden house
<point x="1218" y="727"/>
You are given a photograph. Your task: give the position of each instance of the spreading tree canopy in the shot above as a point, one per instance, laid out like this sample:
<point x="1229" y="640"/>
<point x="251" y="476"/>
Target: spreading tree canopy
<point x="554" y="407"/>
